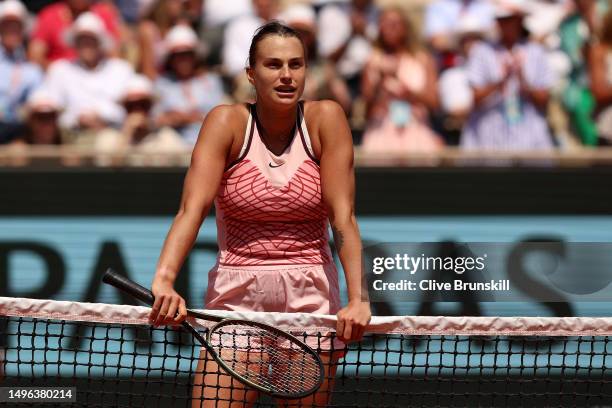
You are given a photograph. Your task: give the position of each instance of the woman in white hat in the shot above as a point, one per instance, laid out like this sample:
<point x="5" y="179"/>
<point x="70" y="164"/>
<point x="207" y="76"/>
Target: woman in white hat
<point x="83" y="85"/>
<point x="186" y="90"/>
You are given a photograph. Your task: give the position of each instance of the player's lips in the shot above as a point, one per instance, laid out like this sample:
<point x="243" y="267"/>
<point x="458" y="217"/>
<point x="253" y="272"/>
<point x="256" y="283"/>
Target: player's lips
<point x="285" y="90"/>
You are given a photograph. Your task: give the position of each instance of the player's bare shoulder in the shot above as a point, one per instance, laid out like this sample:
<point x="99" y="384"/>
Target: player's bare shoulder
<point x="223" y="125"/>
<point x="323" y="110"/>
<point x="227" y="117"/>
<point x="329" y="120"/>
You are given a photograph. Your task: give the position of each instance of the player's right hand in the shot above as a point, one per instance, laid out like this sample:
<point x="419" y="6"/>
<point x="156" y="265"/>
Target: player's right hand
<point x="169" y="307"/>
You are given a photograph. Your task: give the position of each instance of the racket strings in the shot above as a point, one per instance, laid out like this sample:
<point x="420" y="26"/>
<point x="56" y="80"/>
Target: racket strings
<point x="266" y="358"/>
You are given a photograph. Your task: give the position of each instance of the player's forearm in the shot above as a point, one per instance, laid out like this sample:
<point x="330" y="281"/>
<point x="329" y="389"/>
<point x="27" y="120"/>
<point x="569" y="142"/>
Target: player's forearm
<point x="348" y="245"/>
<point x="179" y="242"/>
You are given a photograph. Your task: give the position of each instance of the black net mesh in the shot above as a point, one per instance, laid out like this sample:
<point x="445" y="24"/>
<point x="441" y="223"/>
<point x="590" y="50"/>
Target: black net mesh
<point x="131" y="365"/>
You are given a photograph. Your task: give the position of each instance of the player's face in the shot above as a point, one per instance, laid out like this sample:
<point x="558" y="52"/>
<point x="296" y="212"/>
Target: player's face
<point x="280" y="70"/>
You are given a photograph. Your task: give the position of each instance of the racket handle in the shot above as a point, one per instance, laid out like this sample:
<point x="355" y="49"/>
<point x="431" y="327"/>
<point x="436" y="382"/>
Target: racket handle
<point x="132" y="288"/>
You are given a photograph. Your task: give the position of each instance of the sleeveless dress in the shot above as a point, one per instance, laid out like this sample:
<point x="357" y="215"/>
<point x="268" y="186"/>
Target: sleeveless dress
<point x="274" y="253"/>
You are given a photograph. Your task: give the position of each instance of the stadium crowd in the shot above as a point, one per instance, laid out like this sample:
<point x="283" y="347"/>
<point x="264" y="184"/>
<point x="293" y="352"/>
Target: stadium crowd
<point x="412" y="76"/>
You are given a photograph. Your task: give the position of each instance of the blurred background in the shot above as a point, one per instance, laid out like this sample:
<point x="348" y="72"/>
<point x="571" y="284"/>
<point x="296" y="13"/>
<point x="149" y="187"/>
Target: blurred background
<point x="473" y="120"/>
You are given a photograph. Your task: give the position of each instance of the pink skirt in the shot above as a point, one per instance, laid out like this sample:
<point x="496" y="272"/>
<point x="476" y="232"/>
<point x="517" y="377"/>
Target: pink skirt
<point x="279" y="288"/>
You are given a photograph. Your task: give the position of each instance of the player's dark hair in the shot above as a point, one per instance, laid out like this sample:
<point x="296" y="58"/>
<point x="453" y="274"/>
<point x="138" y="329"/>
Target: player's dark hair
<point x="269" y="29"/>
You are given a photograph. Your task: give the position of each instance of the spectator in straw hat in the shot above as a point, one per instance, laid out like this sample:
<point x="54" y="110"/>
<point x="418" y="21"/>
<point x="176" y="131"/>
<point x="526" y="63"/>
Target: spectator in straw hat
<point x="187" y="91"/>
<point x="48" y="38"/>
<point x="90" y="87"/>
<point x="42" y="124"/>
<point x="138" y="129"/>
<point x="511" y="80"/>
<point x="18" y="77"/>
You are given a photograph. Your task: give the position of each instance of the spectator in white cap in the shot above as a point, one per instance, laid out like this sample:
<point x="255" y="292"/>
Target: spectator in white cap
<point x="48" y="36"/>
<point x="511" y="80"/>
<point x="18" y="77"/>
<point x="89" y="87"/>
<point x="139" y="130"/>
<point x="42" y="125"/>
<point x="322" y="78"/>
<point x="187" y="90"/>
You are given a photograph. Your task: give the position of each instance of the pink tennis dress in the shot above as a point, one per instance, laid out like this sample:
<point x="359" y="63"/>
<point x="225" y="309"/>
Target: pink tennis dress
<point x="274" y="251"/>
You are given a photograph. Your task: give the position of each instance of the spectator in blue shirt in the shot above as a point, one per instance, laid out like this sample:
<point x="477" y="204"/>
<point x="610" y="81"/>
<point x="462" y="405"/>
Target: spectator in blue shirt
<point x="18" y="76"/>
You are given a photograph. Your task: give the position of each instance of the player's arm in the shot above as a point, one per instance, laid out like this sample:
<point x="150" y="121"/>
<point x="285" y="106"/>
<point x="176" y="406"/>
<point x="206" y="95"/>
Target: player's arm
<point x="338" y="188"/>
<point x="199" y="190"/>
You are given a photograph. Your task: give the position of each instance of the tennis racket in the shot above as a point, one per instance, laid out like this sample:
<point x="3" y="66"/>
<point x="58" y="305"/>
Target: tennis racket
<point x="256" y="354"/>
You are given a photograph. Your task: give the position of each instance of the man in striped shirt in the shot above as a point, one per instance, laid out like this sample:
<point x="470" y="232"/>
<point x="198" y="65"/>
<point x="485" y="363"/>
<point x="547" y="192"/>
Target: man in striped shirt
<point x="511" y="80"/>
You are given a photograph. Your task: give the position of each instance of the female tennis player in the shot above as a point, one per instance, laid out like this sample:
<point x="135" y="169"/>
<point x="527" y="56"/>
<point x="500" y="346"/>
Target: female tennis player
<point x="277" y="171"/>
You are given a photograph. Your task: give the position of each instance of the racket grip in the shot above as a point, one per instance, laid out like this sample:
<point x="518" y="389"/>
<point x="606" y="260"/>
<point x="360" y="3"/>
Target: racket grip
<point x="122" y="283"/>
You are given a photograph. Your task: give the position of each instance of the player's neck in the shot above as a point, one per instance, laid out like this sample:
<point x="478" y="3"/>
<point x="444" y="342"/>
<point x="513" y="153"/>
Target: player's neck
<point x="276" y="123"/>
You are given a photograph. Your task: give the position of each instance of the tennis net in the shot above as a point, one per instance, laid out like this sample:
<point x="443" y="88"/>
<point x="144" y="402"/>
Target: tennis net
<point x="114" y="358"/>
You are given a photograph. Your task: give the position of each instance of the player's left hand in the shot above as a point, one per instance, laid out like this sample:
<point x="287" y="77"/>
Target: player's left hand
<point x="352" y="321"/>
